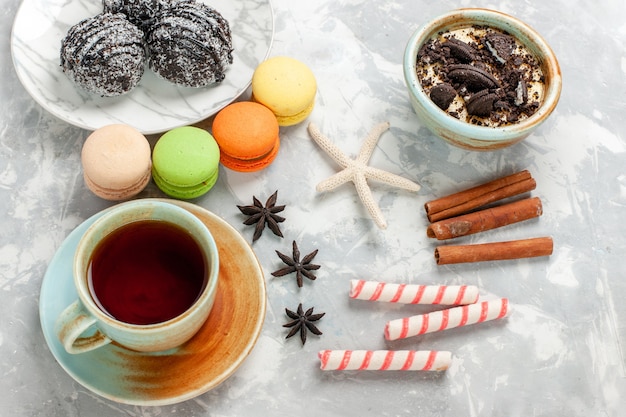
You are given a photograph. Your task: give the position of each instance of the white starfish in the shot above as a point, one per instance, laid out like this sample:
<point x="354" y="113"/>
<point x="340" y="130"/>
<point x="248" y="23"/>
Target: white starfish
<point x="357" y="170"/>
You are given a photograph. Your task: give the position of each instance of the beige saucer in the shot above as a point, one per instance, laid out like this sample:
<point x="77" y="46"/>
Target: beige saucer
<point x="169" y="377"/>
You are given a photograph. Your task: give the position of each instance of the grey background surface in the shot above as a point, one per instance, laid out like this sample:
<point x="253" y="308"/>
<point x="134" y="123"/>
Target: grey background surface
<point x="560" y="353"/>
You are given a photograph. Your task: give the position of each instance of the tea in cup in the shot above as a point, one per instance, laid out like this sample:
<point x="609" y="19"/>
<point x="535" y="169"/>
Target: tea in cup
<point x="146" y="274"/>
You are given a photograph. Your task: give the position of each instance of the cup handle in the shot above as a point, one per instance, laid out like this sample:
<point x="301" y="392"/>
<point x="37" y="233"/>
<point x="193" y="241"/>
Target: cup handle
<point x="72" y="323"/>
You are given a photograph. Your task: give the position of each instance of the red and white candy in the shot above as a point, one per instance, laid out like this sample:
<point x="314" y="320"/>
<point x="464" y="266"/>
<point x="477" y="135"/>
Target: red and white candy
<point x="412" y="293"/>
<point x="384" y="360"/>
<point x="447" y="319"/>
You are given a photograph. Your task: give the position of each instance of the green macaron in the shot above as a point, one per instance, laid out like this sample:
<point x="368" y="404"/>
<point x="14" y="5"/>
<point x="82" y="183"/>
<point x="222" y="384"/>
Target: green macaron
<point x="185" y="162"/>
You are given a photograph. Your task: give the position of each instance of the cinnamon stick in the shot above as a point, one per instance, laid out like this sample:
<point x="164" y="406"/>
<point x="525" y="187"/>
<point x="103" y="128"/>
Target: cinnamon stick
<point x="472" y="198"/>
<point x="486" y="219"/>
<point x="495" y="251"/>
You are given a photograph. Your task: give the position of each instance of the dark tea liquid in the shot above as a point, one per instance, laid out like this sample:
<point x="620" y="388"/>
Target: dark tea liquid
<point x="147" y="272"/>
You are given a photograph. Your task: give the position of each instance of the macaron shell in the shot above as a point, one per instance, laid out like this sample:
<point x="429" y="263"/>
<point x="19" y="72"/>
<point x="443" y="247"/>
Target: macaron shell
<point x="250" y="165"/>
<point x="185" y="162"/>
<point x="185" y="193"/>
<point x="118" y="194"/>
<point x="116" y="161"/>
<point x="294" y="118"/>
<point x="286" y="86"/>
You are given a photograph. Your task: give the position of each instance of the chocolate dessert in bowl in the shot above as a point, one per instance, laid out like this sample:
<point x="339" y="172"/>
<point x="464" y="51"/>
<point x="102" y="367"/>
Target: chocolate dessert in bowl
<point x="481" y="79"/>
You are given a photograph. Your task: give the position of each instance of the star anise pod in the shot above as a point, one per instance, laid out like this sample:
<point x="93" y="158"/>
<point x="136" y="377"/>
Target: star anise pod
<point x="260" y="215"/>
<point x="294" y="264"/>
<point x="302" y="320"/>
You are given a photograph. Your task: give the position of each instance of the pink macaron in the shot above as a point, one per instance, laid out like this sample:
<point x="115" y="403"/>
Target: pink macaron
<point x="116" y="162"/>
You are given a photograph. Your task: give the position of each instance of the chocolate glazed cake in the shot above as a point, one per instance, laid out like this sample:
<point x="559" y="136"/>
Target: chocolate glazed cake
<point x="104" y="54"/>
<point x="190" y="44"/>
<point x="141" y="13"/>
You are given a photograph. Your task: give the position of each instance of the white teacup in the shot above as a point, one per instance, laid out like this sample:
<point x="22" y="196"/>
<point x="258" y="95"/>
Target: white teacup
<point x="146" y="274"/>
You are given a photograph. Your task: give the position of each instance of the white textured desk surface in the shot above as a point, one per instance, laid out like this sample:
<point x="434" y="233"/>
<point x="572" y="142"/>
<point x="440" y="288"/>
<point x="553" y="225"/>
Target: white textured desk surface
<point x="559" y="354"/>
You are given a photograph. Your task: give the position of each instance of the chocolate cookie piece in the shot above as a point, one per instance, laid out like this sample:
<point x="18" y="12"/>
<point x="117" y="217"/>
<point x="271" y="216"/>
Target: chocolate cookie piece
<point x="481" y="103"/>
<point x="139" y="12"/>
<point x="190" y="44"/>
<point x="474" y="78"/>
<point x="500" y="45"/>
<point x="104" y="54"/>
<point x="442" y="95"/>
<point x="460" y="50"/>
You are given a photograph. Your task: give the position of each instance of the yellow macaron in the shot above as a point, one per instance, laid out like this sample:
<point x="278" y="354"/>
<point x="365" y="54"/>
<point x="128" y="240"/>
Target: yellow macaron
<point x="287" y="87"/>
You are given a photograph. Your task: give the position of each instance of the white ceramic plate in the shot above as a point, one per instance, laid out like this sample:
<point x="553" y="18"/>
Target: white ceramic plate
<point x="155" y="105"/>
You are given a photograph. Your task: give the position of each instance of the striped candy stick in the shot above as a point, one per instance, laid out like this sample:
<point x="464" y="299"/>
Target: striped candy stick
<point x="384" y="360"/>
<point x="447" y="319"/>
<point x="413" y="294"/>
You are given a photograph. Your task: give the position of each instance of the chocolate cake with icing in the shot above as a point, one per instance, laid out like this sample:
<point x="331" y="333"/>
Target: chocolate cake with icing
<point x="141" y="13"/>
<point x="104" y="54"/>
<point x="189" y="44"/>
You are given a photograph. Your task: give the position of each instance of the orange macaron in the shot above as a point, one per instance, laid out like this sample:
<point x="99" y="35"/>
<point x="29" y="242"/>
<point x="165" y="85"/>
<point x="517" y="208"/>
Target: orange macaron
<point x="248" y="136"/>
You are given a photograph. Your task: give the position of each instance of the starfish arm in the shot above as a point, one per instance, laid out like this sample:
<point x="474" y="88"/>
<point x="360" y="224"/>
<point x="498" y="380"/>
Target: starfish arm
<point x="365" y="194"/>
<point x="370" y="142"/>
<point x="391" y="179"/>
<point x="327" y="146"/>
<point x="335" y="180"/>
